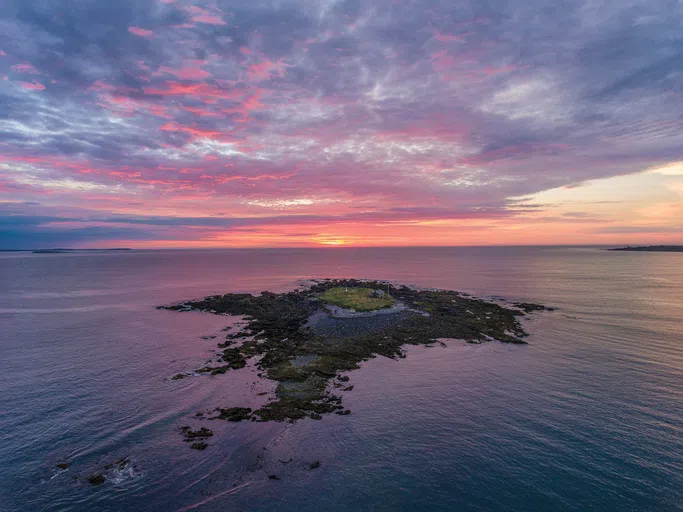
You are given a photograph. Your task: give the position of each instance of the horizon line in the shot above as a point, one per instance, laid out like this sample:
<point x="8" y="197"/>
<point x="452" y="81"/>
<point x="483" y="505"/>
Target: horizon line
<point x="326" y="246"/>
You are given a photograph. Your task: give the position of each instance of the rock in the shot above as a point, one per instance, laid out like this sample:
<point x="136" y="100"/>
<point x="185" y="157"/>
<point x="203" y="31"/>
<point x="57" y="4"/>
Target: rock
<point x="314" y="465"/>
<point x="527" y="307"/>
<point x="274" y="477"/>
<point x="190" y="434"/>
<point x="178" y="376"/>
<point x="200" y="445"/>
<point x="233" y="414"/>
<point x="345" y="412"/>
<point x="96" y="479"/>
<point x="62" y="465"/>
<point x="343" y="378"/>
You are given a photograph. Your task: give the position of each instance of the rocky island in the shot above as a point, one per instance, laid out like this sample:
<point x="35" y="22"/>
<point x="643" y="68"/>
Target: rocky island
<point x="304" y="339"/>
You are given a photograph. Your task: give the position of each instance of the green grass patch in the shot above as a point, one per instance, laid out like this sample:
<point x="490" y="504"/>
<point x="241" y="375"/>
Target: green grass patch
<point x="360" y="299"/>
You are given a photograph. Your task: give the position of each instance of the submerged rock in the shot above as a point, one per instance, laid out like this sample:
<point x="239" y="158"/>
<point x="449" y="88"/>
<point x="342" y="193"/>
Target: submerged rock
<point x="201" y="433"/>
<point x="96" y="480"/>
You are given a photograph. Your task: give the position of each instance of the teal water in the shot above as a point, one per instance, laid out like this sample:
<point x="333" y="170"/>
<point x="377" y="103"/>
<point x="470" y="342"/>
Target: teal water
<point x="588" y="416"/>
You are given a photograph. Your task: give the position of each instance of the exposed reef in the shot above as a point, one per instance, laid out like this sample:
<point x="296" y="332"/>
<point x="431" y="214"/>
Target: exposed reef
<point x="304" y="344"/>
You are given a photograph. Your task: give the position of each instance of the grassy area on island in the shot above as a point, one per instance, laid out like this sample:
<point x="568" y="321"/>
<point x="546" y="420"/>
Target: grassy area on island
<point x="359" y="299"/>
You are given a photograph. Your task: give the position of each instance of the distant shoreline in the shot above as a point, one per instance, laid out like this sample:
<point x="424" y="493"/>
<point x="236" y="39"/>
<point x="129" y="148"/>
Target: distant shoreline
<point x="650" y="248"/>
<point x="63" y="251"/>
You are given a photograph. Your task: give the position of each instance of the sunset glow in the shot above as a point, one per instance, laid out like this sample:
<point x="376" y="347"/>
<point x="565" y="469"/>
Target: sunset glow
<point x="290" y="123"/>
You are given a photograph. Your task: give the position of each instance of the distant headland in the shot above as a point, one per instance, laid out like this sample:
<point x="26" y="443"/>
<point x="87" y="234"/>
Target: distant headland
<point x="62" y="251"/>
<point x="650" y="248"/>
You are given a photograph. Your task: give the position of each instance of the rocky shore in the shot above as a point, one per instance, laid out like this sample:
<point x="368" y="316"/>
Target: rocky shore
<point x="305" y="345"/>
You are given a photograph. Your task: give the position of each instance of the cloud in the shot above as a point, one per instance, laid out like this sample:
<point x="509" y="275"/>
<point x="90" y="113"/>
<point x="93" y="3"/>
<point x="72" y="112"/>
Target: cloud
<point x="34" y="86"/>
<point x="141" y="32"/>
<point x="435" y="113"/>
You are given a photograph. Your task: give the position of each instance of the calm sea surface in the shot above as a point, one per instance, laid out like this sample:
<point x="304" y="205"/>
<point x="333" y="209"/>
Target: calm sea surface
<point x="588" y="416"/>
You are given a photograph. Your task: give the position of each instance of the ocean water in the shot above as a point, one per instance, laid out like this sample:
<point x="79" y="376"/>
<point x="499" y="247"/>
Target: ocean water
<point x="588" y="416"/>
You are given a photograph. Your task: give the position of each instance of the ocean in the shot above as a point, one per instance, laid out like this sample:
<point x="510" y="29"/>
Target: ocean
<point x="587" y="416"/>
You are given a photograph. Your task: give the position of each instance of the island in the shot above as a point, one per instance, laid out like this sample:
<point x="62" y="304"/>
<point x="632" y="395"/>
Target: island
<point x="307" y="338"/>
<point x="650" y="248"/>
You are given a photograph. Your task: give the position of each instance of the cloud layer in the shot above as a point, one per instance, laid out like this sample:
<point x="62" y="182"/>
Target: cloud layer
<point x="283" y="122"/>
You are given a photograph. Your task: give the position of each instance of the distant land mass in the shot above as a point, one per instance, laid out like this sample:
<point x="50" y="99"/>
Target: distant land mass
<point x="651" y="248"/>
<point x="62" y="251"/>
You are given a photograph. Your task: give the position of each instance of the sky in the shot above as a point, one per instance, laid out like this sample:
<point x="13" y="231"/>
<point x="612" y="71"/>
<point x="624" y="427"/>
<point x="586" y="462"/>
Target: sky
<point x="296" y="123"/>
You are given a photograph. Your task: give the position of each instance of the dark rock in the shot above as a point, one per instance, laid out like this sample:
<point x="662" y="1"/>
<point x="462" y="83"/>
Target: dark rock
<point x="233" y="414"/>
<point x="528" y="307"/>
<point x="96" y="479"/>
<point x="315" y="464"/>
<point x="62" y="465"/>
<point x="201" y="433"/>
<point x="200" y="445"/>
<point x="178" y="376"/>
<point x="274" y="477"/>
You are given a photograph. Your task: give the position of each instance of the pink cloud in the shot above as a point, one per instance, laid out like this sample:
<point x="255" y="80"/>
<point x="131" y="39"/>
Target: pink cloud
<point x="101" y="86"/>
<point x="447" y="38"/>
<point x="25" y="68"/>
<point x="186" y="73"/>
<point x="141" y="32"/>
<point x="265" y="69"/>
<point x="35" y="86"/>
<point x="196" y="132"/>
<point x="252" y="102"/>
<point x="200" y="15"/>
<point x="200" y="111"/>
<point x="2" y="54"/>
<point x="208" y="19"/>
<point x="202" y="91"/>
